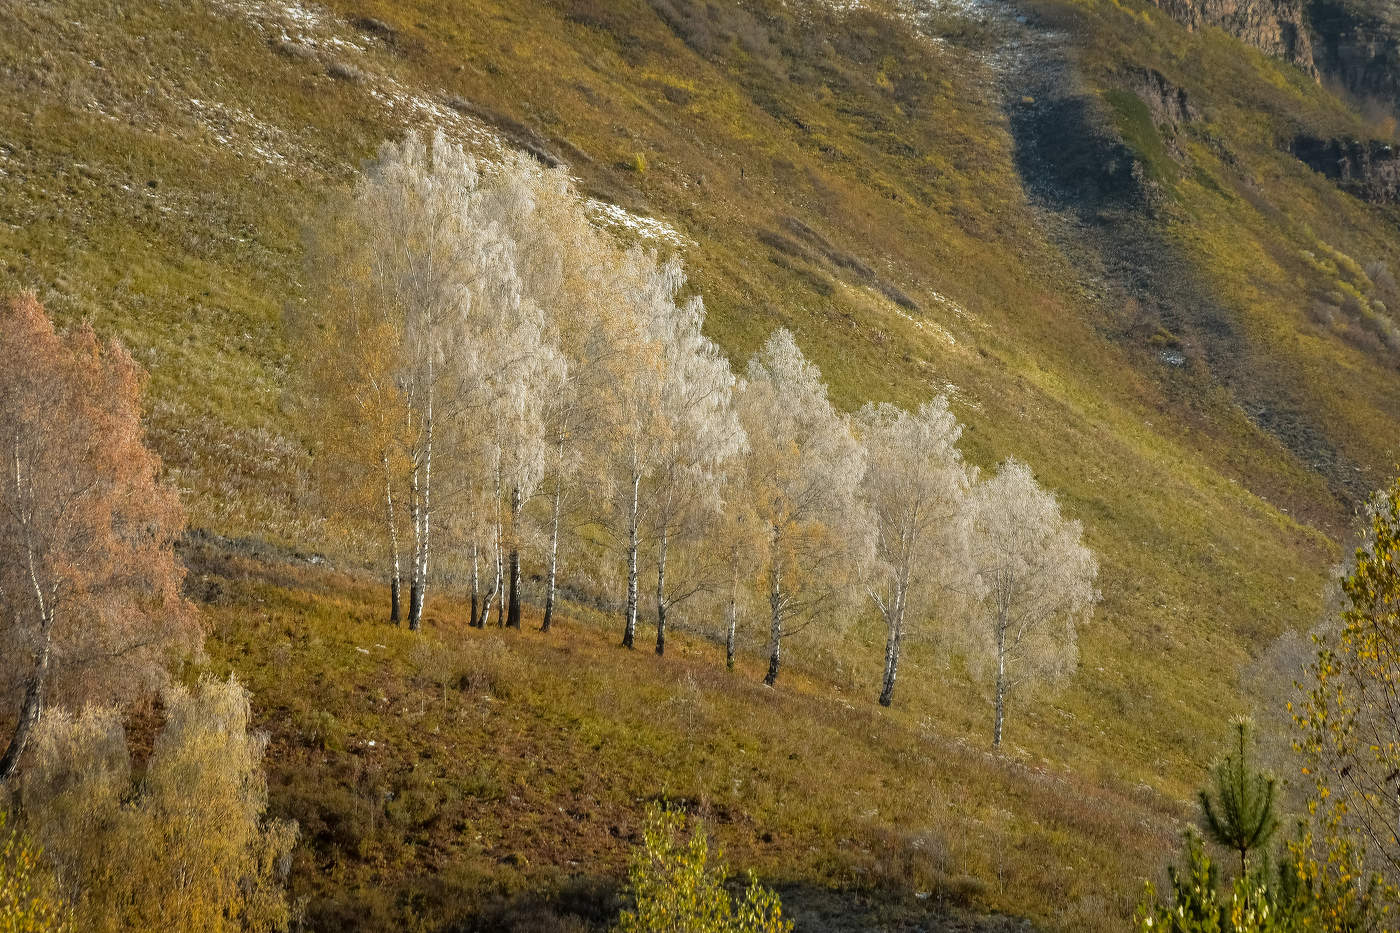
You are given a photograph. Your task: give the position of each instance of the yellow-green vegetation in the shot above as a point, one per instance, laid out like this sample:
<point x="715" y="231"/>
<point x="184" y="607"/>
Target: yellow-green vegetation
<point x="498" y="780"/>
<point x="835" y="172"/>
<point x="177" y="846"/>
<point x="29" y="898"/>
<point x="676" y="886"/>
<point x="1347" y="715"/>
<point x="1302" y="894"/>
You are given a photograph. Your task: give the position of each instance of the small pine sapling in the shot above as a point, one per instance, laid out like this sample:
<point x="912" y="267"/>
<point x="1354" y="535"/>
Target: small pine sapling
<point x="1240" y="815"/>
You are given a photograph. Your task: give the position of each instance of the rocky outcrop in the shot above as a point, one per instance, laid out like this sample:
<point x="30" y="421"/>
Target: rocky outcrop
<point x="1168" y="104"/>
<point x="1358" y="44"/>
<point x="1368" y="169"/>
<point x="1276" y="26"/>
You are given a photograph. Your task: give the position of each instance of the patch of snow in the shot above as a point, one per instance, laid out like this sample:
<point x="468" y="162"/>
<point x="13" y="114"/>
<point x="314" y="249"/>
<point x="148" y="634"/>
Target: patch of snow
<point x="240" y="130"/>
<point x="316" y="28"/>
<point x="930" y="326"/>
<point x="606" y="214"/>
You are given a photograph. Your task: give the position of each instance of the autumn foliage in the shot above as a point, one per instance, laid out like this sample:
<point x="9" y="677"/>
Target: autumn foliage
<point x="90" y="605"/>
<point x="29" y="900"/>
<point x="181" y="847"/>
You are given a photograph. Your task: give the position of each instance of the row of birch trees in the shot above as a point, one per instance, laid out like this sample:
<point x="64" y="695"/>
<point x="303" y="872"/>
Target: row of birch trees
<point x="489" y="379"/>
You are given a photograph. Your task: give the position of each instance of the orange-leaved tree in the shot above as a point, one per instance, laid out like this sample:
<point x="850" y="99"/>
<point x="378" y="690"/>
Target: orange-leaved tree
<point x="90" y="605"/>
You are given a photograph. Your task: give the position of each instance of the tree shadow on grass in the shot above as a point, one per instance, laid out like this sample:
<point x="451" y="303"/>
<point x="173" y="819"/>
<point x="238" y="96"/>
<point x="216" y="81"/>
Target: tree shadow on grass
<point x="816" y="909"/>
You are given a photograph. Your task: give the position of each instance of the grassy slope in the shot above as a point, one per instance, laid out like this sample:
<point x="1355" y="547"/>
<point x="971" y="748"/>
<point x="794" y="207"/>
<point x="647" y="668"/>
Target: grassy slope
<point x="1213" y="536"/>
<point x="497" y="779"/>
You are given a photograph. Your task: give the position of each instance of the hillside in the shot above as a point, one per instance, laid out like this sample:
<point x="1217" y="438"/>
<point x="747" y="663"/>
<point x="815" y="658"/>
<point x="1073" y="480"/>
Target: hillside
<point x="1082" y="220"/>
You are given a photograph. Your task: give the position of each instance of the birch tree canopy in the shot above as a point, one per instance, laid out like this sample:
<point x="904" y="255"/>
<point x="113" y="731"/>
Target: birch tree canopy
<point x="439" y="350"/>
<point x="916" y="485"/>
<point x="805" y="471"/>
<point x="1037" y="579"/>
<point x="699" y="433"/>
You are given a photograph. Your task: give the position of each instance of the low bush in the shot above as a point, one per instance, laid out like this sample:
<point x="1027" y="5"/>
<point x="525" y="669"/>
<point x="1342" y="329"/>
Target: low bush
<point x="183" y="849"/>
<point x="29" y="898"/>
<point x="677" y="888"/>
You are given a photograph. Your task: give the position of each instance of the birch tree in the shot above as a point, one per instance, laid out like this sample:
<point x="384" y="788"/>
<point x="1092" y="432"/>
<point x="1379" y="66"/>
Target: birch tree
<point x="594" y="323"/>
<point x="90" y="605"/>
<point x="698" y="433"/>
<point x="569" y="272"/>
<point x="349" y="395"/>
<point x="806" y="468"/>
<point x="738" y="536"/>
<point x="439" y="265"/>
<point x="916" y="485"/>
<point x="1037" y="580"/>
<point x="629" y="447"/>
<point x="422" y="265"/>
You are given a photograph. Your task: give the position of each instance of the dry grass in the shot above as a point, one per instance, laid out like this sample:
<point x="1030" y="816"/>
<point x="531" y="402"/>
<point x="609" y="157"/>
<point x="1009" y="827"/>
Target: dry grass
<point x="158" y="163"/>
<point x="462" y="776"/>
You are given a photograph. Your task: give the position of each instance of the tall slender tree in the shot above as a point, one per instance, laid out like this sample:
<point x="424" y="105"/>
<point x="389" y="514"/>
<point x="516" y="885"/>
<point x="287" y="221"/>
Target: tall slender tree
<point x="629" y="448"/>
<point x="435" y="264"/>
<point x="1037" y="585"/>
<point x="805" y="470"/>
<point x="698" y="434"/>
<point x="421" y="256"/>
<point x="738" y="541"/>
<point x="916" y="485"/>
<point x="348" y="394"/>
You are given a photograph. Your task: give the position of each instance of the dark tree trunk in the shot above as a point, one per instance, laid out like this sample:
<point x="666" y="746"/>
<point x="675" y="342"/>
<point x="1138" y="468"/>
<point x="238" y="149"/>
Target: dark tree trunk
<point x="415" y="606"/>
<point x="31" y="710"/>
<point x="475" y="621"/>
<point x="513" y="617"/>
<point x="661" y="594"/>
<point x="774" y="658"/>
<point x="395" y="616"/>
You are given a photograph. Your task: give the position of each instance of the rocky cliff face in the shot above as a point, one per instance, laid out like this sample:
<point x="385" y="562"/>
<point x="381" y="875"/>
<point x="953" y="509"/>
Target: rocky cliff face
<point x="1279" y="27"/>
<point x="1368" y="169"/>
<point x="1355" y="42"/>
<point x="1358" y="43"/>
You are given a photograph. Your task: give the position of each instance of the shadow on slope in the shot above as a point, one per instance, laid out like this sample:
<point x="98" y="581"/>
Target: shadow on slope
<point x="1104" y="202"/>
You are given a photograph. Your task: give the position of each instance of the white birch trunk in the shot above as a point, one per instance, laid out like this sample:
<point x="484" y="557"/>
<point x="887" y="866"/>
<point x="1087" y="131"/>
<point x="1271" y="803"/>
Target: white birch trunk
<point x="633" y="535"/>
<point x="775" y="626"/>
<point x="415" y="617"/>
<point x="396" y="577"/>
<point x="731" y="621"/>
<point x="1001" y="680"/>
<point x="553" y="570"/>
